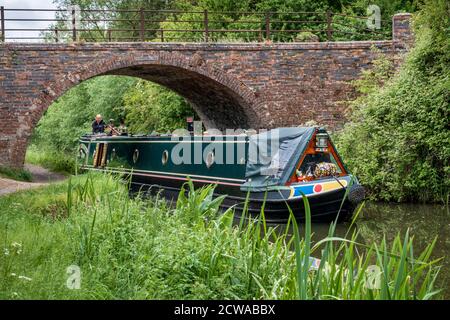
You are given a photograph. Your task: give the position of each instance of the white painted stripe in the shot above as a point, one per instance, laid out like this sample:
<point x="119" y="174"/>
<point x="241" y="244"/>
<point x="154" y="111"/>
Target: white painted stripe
<point x="169" y="173"/>
<point x="184" y="178"/>
<point x="166" y="141"/>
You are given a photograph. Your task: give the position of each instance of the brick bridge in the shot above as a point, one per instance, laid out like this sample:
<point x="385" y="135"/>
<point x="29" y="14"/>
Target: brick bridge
<point x="250" y="85"/>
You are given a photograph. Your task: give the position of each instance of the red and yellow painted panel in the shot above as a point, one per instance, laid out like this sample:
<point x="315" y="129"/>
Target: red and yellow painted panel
<point x="318" y="187"/>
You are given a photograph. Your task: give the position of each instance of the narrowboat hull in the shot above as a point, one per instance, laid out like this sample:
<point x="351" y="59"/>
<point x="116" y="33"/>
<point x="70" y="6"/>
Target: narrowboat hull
<point x="277" y="207"/>
<point x="144" y="161"/>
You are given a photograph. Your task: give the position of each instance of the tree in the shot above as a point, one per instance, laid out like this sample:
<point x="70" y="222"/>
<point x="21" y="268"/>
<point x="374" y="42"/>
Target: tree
<point x="71" y="115"/>
<point x="150" y="107"/>
<point x="398" y="141"/>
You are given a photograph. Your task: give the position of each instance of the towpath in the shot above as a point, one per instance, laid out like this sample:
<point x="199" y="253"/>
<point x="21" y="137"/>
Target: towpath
<point x="41" y="177"/>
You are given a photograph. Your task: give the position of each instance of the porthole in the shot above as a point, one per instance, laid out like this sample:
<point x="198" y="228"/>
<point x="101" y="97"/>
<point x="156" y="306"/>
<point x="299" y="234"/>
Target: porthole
<point x="82" y="152"/>
<point x="209" y="159"/>
<point x="135" y="155"/>
<point x="165" y="157"/>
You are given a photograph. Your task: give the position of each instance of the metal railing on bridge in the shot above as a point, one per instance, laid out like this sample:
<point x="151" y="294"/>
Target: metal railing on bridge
<point x="104" y="25"/>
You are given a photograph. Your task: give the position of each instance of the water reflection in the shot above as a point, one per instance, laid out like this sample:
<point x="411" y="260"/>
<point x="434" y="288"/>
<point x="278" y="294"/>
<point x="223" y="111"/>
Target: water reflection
<point x="425" y="222"/>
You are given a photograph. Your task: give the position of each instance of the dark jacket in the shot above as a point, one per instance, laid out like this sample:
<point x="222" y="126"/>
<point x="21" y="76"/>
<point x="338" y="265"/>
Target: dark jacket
<point x="98" y="127"/>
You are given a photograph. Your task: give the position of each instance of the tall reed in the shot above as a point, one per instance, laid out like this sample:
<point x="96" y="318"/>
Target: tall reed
<point x="131" y="248"/>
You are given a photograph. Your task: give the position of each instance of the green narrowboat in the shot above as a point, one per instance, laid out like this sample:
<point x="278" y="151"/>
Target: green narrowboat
<point x="274" y="169"/>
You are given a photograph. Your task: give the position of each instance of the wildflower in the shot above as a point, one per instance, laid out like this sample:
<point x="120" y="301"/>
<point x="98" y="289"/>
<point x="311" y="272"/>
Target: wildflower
<point x="25" y="278"/>
<point x="13" y="274"/>
<point x="6" y="252"/>
<point x="14" y="294"/>
<point x="17" y="247"/>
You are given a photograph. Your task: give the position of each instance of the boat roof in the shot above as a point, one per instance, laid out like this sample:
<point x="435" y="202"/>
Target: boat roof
<point x="245" y="134"/>
<point x="273" y="155"/>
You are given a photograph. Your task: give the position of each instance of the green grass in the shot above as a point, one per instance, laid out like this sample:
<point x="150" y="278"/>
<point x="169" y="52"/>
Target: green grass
<point x="134" y="249"/>
<point x="15" y="174"/>
<point x="53" y="160"/>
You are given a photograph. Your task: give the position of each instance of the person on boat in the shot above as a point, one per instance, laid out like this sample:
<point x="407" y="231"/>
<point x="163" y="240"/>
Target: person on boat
<point x="123" y="130"/>
<point x="98" y="126"/>
<point x="112" y="131"/>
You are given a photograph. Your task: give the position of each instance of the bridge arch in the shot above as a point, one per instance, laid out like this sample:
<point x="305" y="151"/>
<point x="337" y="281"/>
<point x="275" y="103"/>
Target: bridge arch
<point x="256" y="85"/>
<point x="220" y="99"/>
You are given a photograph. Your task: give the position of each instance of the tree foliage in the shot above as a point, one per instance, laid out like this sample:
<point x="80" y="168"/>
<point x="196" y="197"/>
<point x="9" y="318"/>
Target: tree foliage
<point x="149" y="107"/>
<point x="72" y="114"/>
<point x="285" y="15"/>
<point x="398" y="141"/>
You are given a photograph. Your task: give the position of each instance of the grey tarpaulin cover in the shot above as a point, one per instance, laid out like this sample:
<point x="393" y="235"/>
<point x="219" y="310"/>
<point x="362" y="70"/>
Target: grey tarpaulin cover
<point x="272" y="156"/>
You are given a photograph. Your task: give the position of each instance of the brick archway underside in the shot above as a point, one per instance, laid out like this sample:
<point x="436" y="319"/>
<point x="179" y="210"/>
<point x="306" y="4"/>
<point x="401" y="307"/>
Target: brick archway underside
<point x="217" y="105"/>
<point x="220" y="99"/>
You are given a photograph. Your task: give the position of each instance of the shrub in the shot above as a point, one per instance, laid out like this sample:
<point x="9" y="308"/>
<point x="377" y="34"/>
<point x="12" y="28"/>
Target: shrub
<point x="397" y="141"/>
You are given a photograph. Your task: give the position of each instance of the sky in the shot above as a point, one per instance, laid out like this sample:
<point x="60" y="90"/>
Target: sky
<point x="27" y="4"/>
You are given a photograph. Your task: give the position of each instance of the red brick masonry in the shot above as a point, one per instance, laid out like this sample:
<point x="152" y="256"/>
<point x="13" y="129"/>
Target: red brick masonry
<point x="251" y="85"/>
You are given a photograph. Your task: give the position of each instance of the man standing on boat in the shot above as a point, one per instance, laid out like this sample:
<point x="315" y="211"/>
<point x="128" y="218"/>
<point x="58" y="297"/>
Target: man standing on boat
<point x="98" y="126"/>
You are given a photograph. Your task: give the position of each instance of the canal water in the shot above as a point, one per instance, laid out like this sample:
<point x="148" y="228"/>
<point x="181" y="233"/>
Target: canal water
<point x="425" y="222"/>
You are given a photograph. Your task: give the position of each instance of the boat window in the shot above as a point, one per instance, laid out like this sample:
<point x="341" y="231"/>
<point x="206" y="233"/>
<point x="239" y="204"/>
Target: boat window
<point x="311" y="160"/>
<point x="209" y="159"/>
<point x="165" y="157"/>
<point x="82" y="152"/>
<point x="135" y="155"/>
<point x="333" y="160"/>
